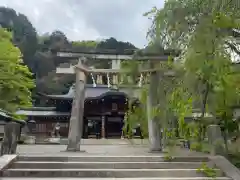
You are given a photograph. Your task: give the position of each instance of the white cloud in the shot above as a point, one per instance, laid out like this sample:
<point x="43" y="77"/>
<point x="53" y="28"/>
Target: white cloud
<point x="89" y="19"/>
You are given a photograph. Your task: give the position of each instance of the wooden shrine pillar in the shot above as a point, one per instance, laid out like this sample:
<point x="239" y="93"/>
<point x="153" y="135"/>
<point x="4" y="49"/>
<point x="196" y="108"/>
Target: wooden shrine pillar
<point x="154" y="128"/>
<point x="103" y="127"/>
<point x="76" y="120"/>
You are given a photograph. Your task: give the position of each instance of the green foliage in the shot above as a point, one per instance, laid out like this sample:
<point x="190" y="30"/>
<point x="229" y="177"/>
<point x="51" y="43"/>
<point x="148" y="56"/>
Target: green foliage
<point x="167" y="157"/>
<point x="235" y="158"/>
<point x="207" y="171"/>
<point x="171" y="140"/>
<point x="180" y="103"/>
<point x="24" y="34"/>
<point x="203" y="30"/>
<point x="193" y="130"/>
<point x="196" y="146"/>
<point x="15" y="78"/>
<point x="112" y="43"/>
<point x="90" y="44"/>
<point x="136" y="115"/>
<point x="176" y="22"/>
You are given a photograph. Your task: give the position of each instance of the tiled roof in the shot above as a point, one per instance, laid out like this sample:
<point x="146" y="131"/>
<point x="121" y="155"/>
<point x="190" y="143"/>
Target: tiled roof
<point x="39" y="108"/>
<point x="7" y="117"/>
<point x="41" y="113"/>
<point x="4" y="114"/>
<point x="94" y="92"/>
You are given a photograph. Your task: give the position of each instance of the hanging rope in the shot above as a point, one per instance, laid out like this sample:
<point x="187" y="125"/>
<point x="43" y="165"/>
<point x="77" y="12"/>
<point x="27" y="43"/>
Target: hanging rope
<point x="93" y="80"/>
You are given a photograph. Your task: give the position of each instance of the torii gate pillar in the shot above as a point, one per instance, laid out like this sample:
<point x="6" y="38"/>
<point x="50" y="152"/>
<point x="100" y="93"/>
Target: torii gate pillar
<point x="153" y="121"/>
<point x="76" y="120"/>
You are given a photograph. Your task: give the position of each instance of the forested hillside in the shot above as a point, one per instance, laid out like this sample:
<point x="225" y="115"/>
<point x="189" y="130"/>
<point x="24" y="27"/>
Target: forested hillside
<point x="39" y="51"/>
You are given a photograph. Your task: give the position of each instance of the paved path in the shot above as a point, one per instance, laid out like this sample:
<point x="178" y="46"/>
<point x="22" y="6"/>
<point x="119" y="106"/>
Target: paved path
<point x="116" y="147"/>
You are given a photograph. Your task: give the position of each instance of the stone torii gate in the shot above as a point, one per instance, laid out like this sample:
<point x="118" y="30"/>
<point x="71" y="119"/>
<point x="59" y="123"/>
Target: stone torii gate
<point x="81" y="71"/>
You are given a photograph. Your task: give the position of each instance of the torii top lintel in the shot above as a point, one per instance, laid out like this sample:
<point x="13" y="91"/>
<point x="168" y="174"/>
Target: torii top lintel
<point x="109" y="55"/>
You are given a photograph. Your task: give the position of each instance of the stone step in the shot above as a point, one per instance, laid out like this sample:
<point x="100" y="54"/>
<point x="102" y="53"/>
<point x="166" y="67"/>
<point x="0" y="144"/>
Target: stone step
<point x="106" y="165"/>
<point x="111" y="158"/>
<point x="146" y="178"/>
<point x="104" y="173"/>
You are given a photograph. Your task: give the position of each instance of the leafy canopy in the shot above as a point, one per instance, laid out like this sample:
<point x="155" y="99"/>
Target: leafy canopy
<point x="206" y="33"/>
<point x="15" y="78"/>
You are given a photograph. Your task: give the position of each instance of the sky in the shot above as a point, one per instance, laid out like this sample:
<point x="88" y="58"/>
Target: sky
<point x="89" y="19"/>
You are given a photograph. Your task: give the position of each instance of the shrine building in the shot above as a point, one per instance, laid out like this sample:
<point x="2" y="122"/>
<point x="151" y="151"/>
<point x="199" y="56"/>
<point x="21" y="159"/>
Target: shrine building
<point x="103" y="107"/>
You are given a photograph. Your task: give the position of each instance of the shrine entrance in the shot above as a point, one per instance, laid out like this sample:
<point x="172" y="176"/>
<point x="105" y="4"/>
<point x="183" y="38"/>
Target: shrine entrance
<point x="111" y="129"/>
<point x="104" y="115"/>
<point x="114" y="126"/>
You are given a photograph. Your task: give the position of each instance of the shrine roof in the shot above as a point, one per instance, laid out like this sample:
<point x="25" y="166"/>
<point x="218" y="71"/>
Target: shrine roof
<point x="39" y="108"/>
<point x="41" y="113"/>
<point x="92" y="92"/>
<point x="4" y="114"/>
<point x="6" y="117"/>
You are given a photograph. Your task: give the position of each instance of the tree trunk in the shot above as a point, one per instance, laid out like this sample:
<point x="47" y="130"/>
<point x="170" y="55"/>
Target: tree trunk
<point x="153" y="122"/>
<point x="76" y="121"/>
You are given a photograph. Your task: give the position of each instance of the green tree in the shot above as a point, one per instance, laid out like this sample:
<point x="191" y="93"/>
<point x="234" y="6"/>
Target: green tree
<point x="15" y="78"/>
<point x="226" y="95"/>
<point x="176" y="22"/>
<point x="85" y="45"/>
<point x="201" y="32"/>
<point x="24" y="34"/>
<point x="206" y="32"/>
<point x="114" y="44"/>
